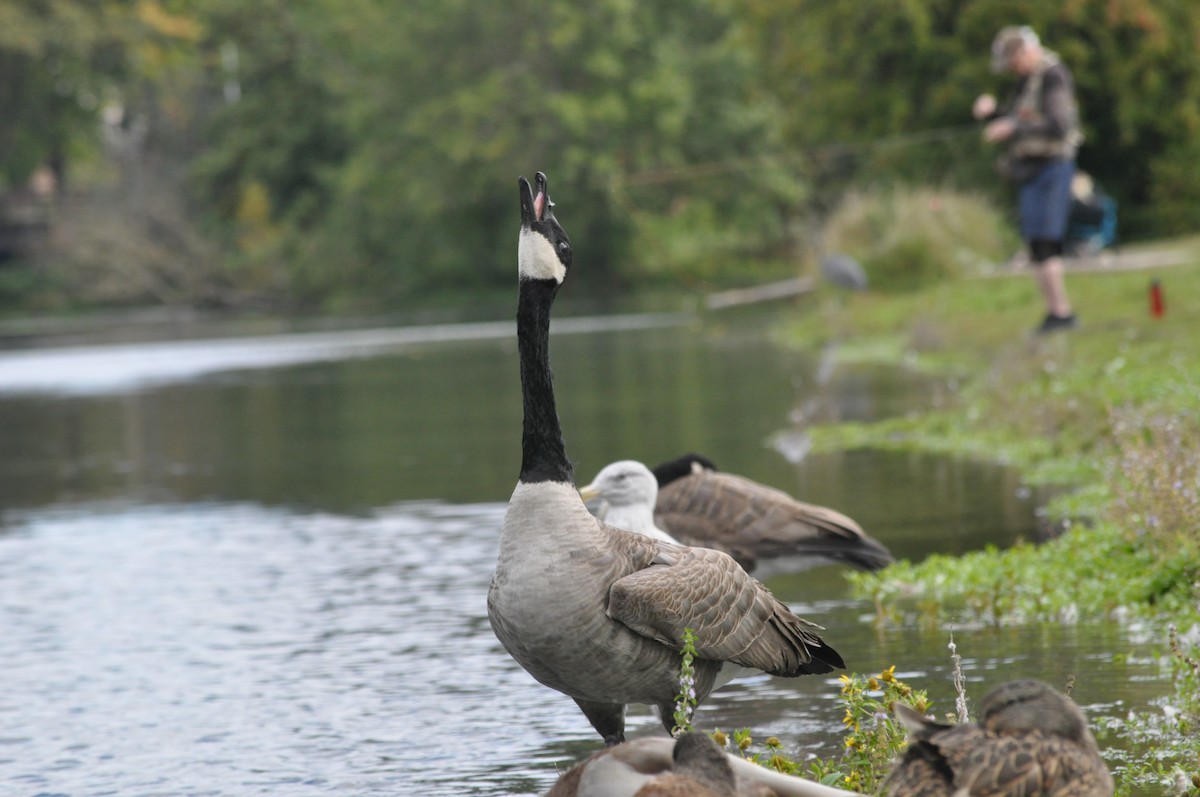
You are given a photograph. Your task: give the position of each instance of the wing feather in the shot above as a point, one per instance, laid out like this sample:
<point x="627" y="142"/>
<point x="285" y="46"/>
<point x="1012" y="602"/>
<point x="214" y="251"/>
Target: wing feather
<point x="733" y="616"/>
<point x="752" y="521"/>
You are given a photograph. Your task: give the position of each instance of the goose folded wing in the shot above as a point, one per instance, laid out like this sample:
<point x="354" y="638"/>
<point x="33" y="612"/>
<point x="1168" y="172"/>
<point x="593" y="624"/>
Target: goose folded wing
<point x="751" y="520"/>
<point x="733" y="617"/>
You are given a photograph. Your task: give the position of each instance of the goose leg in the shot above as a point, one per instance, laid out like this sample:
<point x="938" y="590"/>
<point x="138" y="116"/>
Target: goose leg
<point x="607" y="718"/>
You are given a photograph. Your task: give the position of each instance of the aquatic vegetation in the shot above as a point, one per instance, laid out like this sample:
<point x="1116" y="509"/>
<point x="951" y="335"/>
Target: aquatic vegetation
<point x="1136" y="551"/>
<point x="1087" y="572"/>
<point x="1172" y="734"/>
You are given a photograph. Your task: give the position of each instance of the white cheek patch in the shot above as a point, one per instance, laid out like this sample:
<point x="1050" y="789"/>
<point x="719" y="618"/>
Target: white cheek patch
<point x="536" y="258"/>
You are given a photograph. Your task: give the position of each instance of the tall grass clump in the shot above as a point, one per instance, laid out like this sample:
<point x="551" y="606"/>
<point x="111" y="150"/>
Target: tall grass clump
<point x="907" y="238"/>
<point x="1157" y="482"/>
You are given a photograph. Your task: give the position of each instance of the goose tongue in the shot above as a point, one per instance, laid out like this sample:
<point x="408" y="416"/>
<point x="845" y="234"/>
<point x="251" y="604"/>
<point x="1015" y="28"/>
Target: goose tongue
<point x="539" y="205"/>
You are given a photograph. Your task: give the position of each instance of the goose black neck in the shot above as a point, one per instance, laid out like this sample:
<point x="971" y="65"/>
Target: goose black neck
<point x="543" y="454"/>
<point x="667" y="472"/>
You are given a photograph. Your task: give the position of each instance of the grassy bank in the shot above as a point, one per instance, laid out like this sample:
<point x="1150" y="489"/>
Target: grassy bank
<point x="1111" y="411"/>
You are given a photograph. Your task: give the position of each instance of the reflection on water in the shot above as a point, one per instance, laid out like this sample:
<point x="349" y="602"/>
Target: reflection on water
<point x="274" y="580"/>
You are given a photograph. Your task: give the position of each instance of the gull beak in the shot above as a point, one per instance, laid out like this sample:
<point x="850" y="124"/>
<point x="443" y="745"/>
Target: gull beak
<point x="588" y="492"/>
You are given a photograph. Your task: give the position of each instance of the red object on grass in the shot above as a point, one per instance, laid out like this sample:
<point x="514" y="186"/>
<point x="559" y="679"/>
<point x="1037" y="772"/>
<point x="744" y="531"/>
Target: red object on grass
<point x="1158" y="305"/>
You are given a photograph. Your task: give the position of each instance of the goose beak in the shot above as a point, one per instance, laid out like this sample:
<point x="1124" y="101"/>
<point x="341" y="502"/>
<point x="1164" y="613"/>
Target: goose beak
<point x="528" y="206"/>
<point x="535" y="199"/>
<point x="541" y="202"/>
<point x="588" y="492"/>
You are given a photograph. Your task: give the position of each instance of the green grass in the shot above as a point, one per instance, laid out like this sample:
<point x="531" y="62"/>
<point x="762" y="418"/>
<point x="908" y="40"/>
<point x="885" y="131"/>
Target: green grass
<point x="1110" y="410"/>
<point x="911" y="237"/>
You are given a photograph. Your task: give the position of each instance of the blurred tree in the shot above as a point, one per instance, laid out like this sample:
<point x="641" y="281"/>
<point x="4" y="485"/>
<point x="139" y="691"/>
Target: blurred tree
<point x="460" y="97"/>
<point x="57" y="59"/>
<point x="362" y="149"/>
<point x="275" y="139"/>
<point x="867" y="72"/>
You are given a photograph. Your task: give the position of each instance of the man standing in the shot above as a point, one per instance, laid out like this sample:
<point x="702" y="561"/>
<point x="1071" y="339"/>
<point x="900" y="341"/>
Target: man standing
<point x="1041" y="129"/>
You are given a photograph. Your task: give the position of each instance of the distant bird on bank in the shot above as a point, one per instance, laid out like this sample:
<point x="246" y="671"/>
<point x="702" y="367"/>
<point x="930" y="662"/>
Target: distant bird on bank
<point x="764" y="529"/>
<point x="599" y="613"/>
<point x="844" y="271"/>
<point x="1030" y="741"/>
<point x="693" y="766"/>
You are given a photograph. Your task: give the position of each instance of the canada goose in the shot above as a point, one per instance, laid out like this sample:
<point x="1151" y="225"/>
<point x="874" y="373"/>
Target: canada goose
<point x="1030" y="741"/>
<point x="693" y="765"/>
<point x="759" y="526"/>
<point x="595" y="612"/>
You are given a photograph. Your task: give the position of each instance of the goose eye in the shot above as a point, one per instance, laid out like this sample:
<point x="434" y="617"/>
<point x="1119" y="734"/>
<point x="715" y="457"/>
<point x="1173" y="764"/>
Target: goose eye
<point x="563" y="246"/>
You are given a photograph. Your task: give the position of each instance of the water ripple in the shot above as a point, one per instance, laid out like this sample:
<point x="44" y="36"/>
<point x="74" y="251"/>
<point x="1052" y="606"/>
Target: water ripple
<point x="231" y="650"/>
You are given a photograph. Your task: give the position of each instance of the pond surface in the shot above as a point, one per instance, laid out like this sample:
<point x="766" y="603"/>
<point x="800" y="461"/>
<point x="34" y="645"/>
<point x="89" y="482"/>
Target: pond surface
<point x="259" y="565"/>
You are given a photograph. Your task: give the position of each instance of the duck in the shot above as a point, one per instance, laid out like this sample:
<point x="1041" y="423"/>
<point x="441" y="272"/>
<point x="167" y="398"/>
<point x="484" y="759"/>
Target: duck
<point x="767" y="531"/>
<point x="692" y="765"/>
<point x="1030" y="741"/>
<point x="600" y="614"/>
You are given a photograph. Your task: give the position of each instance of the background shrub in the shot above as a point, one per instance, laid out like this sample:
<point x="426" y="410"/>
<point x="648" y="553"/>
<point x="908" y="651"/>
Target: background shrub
<point x="907" y="238"/>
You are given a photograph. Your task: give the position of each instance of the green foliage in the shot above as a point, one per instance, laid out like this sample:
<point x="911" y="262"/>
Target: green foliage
<point x="873" y="742"/>
<point x="586" y="94"/>
<point x="851" y="73"/>
<point x="685" y="700"/>
<point x="772" y="757"/>
<point x="1170" y="733"/>
<point x="266" y="66"/>
<point x="267" y="175"/>
<point x="1049" y="408"/>
<point x="874" y="739"/>
<point x="907" y="238"/>
<point x="64" y="63"/>
<point x="1086" y="572"/>
<point x="48" y="94"/>
<point x="1156" y="484"/>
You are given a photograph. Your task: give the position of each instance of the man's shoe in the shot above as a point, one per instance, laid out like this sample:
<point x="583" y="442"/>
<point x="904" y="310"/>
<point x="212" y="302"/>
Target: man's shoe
<point x="1056" y="323"/>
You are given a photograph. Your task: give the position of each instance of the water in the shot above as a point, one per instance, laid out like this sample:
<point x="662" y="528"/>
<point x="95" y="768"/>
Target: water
<point x="259" y="565"/>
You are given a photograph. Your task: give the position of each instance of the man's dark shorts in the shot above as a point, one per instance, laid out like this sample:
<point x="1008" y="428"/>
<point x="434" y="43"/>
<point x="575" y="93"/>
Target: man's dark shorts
<point x="1044" y="202"/>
